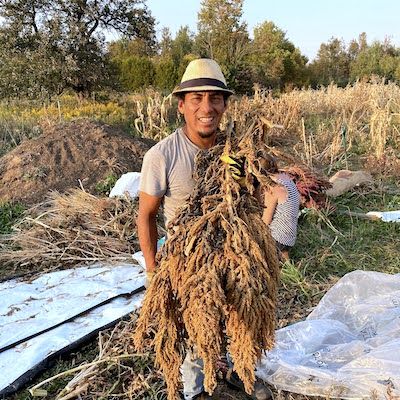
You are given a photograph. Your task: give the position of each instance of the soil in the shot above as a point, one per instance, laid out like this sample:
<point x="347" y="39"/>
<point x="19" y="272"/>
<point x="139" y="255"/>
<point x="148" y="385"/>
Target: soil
<point x="65" y="155"/>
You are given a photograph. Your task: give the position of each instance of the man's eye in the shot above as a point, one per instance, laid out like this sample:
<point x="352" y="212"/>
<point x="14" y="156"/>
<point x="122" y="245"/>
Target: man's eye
<point x="217" y="99"/>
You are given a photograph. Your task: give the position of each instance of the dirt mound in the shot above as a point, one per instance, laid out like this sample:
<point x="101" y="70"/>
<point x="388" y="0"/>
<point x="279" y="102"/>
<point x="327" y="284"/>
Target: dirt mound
<point x="63" y="155"/>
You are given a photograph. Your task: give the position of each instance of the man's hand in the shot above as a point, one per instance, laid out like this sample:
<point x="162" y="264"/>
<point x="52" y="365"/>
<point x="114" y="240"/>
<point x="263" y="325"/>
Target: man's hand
<point x="235" y="166"/>
<point x="149" y="278"/>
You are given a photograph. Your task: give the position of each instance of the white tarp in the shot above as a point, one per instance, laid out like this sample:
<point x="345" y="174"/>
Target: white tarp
<point x="348" y="347"/>
<point x="386" y="216"/>
<point x="29" y="308"/>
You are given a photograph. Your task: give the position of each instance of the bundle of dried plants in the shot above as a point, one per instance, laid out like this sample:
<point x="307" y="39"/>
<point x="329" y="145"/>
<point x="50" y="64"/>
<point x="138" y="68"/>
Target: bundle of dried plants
<point x="217" y="274"/>
<point x="311" y="186"/>
<point x="69" y="229"/>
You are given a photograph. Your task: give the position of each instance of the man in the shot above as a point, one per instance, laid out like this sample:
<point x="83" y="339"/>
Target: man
<point x="166" y="177"/>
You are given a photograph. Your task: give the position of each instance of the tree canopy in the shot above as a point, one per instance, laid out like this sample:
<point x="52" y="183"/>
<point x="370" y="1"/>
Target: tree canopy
<point x="60" y="43"/>
<point x="48" y="46"/>
<point x="223" y="36"/>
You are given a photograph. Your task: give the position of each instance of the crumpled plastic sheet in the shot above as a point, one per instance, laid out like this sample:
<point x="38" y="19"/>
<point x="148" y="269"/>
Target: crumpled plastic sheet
<point x="29" y="308"/>
<point x="348" y="347"/>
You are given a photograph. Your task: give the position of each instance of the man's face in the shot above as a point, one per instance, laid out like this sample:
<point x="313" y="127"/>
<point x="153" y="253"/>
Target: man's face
<point x="203" y="112"/>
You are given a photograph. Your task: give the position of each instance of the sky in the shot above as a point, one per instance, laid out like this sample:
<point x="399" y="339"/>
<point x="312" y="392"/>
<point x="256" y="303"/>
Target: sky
<point x="307" y="23"/>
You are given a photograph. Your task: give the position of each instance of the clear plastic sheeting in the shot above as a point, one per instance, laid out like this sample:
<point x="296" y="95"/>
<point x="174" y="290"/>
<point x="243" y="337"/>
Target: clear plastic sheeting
<point x="40" y="318"/>
<point x="348" y="347"/>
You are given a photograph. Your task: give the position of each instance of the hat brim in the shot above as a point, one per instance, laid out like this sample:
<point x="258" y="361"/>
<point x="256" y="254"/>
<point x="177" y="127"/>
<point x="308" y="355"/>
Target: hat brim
<point x="210" y="88"/>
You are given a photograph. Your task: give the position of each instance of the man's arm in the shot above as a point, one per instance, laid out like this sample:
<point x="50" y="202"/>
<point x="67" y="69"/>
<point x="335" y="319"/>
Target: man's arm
<point x="147" y="228"/>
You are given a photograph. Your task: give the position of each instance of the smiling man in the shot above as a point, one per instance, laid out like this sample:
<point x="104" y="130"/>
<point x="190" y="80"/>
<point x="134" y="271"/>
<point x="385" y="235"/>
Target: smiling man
<point x="167" y="179"/>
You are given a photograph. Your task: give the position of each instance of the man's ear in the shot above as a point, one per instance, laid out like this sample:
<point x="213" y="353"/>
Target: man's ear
<point x="181" y="106"/>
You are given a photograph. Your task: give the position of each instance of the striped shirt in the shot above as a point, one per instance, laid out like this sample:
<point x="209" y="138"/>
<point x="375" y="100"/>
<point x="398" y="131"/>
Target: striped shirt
<point x="284" y="221"/>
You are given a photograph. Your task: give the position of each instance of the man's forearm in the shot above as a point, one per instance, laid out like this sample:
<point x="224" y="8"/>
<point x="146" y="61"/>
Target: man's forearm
<point x="147" y="232"/>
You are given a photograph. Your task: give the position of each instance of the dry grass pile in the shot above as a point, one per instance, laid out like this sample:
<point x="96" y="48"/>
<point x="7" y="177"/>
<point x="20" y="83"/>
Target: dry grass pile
<point x="69" y="229"/>
<point x="217" y="275"/>
<point x="116" y="372"/>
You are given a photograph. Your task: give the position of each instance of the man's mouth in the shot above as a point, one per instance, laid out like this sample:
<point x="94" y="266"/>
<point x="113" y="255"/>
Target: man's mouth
<point x="206" y="120"/>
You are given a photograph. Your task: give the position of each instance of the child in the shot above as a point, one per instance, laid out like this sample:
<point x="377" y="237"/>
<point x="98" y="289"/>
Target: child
<point x="281" y="206"/>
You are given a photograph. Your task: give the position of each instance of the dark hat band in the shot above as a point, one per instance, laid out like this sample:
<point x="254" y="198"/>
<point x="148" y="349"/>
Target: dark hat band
<point x="202" y="82"/>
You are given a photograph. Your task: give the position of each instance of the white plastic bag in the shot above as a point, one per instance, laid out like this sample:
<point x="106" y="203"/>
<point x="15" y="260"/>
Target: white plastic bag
<point x="127" y="184"/>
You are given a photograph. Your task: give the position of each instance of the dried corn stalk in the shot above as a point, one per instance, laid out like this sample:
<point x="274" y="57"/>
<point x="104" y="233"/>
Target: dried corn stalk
<point x="217" y="275"/>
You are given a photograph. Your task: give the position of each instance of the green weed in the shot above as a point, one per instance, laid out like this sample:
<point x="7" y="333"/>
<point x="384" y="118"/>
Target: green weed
<point x="104" y="187"/>
<point x="9" y="215"/>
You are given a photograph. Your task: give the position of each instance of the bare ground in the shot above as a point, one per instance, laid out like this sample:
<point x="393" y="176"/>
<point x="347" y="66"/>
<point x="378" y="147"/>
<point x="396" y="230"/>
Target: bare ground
<point x="65" y="155"/>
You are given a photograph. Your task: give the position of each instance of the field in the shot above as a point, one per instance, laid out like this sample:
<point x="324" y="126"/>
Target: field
<point x="330" y="129"/>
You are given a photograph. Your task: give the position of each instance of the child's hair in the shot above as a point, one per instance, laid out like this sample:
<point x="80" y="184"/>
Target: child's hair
<point x="268" y="164"/>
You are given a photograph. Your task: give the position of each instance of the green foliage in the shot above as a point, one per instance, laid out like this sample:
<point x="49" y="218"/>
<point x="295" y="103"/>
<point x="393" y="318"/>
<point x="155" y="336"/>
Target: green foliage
<point x="340" y="65"/>
<point x="274" y="60"/>
<point x="136" y="72"/>
<point x="104" y="187"/>
<point x="166" y="73"/>
<point x="381" y="59"/>
<point x="125" y="47"/>
<point x="9" y="214"/>
<point x="224" y="37"/>
<point x="182" y="45"/>
<point x="47" y="46"/>
<point x="332" y="64"/>
<point x="165" y="43"/>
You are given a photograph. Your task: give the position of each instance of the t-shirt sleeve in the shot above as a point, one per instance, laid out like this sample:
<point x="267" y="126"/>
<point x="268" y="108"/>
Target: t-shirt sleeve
<point x="153" y="177"/>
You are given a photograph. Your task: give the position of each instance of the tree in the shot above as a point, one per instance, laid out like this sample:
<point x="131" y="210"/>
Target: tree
<point x="224" y="37"/>
<point x="136" y="72"/>
<point x="166" y="73"/>
<point x="274" y="60"/>
<point x="357" y="46"/>
<point x="50" y="45"/>
<point x="166" y="42"/>
<point x="174" y="56"/>
<point x="182" y="45"/>
<point x="332" y="64"/>
<point x="381" y="59"/>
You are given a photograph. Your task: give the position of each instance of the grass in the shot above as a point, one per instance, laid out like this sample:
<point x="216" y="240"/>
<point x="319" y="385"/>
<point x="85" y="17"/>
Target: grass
<point x="10" y="213"/>
<point x="357" y="243"/>
<point x="104" y="187"/>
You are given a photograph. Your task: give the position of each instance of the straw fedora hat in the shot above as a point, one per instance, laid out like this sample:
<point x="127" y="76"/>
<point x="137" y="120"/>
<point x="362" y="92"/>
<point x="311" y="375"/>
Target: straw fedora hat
<point x="202" y="75"/>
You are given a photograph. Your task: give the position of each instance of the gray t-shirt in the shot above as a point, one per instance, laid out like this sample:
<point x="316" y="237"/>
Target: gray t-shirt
<point x="167" y="171"/>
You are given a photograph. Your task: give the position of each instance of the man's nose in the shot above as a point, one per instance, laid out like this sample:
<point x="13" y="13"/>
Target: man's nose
<point x="206" y="104"/>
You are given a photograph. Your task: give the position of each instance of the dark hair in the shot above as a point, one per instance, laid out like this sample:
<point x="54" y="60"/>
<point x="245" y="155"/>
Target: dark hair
<point x="268" y="163"/>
